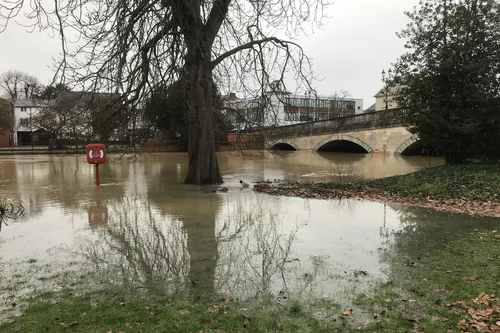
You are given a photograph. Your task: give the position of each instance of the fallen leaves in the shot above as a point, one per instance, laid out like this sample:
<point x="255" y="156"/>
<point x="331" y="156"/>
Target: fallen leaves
<point x="65" y="325"/>
<point x="453" y="205"/>
<point x="483" y="319"/>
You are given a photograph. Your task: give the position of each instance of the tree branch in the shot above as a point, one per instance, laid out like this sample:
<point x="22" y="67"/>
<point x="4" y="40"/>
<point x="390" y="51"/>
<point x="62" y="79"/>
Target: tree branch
<point x="250" y="45"/>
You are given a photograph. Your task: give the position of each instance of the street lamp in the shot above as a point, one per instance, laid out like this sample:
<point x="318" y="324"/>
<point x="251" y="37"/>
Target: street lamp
<point x="386" y="81"/>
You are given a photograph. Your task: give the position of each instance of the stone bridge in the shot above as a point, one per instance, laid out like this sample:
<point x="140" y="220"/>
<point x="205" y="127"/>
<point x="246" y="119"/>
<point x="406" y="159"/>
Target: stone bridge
<point x="363" y="133"/>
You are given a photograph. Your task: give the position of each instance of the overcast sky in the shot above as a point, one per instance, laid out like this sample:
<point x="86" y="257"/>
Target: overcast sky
<point x="357" y="42"/>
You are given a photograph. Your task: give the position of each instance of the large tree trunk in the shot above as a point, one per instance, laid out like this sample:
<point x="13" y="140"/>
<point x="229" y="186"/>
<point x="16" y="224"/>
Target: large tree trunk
<point x="203" y="166"/>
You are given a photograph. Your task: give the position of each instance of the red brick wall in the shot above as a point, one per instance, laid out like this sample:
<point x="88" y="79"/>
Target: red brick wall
<point x="4" y="138"/>
<point x="4" y="133"/>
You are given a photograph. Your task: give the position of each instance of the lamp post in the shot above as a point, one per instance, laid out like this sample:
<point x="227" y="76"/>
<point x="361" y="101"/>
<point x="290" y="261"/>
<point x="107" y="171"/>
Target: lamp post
<point x="386" y="81"/>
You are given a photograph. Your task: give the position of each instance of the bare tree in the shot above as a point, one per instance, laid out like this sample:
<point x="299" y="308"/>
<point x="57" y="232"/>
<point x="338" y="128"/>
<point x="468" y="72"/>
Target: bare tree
<point x="80" y="118"/>
<point x="341" y="105"/>
<point x="17" y="84"/>
<point x="129" y="47"/>
<point x="11" y="82"/>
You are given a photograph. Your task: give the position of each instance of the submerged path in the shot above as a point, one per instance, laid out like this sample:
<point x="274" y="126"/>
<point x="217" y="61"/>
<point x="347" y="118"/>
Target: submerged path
<point x="453" y="205"/>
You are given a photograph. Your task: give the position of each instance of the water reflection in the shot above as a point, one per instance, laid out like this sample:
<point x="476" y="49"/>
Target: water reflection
<point x="145" y="226"/>
<point x="98" y="215"/>
<point x="424" y="230"/>
<point x="257" y="247"/>
<point x="137" y="245"/>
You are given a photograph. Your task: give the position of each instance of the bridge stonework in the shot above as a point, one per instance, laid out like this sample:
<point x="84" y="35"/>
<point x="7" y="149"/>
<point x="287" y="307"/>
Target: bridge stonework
<point x="369" y="131"/>
<point x="396" y="138"/>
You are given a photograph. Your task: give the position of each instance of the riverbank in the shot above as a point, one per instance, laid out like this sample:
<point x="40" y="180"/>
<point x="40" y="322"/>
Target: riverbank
<point x="471" y="188"/>
<point x="439" y="276"/>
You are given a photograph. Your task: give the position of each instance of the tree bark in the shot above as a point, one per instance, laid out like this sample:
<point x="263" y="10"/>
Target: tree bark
<point x="199" y="36"/>
<point x="203" y="166"/>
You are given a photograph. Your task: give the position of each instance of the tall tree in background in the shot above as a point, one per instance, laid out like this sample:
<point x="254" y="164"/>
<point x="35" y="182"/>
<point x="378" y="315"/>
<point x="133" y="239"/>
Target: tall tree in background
<point x="450" y="78"/>
<point x="80" y="117"/>
<point x="19" y="85"/>
<point x="130" y="47"/>
<point x="6" y="120"/>
<point x="167" y="109"/>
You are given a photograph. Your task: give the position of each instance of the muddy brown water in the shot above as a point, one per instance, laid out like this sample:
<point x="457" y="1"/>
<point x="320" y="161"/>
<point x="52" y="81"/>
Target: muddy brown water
<point x="142" y="224"/>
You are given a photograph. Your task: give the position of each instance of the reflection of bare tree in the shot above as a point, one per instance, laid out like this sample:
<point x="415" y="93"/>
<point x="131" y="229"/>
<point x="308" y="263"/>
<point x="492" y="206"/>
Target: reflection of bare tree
<point x="346" y="206"/>
<point x="247" y="253"/>
<point x="259" y="259"/>
<point x="344" y="173"/>
<point x="139" y="245"/>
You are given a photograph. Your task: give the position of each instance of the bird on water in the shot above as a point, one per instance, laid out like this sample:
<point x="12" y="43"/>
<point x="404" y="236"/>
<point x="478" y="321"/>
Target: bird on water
<point x="243" y="184"/>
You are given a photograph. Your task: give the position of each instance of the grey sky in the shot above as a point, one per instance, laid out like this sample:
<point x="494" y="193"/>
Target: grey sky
<point x="357" y="42"/>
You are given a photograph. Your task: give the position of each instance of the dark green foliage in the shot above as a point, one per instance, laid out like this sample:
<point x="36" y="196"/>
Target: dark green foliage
<point x="51" y="91"/>
<point x="6" y="120"/>
<point x="167" y="109"/>
<point x="449" y="81"/>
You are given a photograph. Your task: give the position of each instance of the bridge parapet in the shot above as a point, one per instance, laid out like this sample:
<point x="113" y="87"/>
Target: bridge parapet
<point x="360" y="122"/>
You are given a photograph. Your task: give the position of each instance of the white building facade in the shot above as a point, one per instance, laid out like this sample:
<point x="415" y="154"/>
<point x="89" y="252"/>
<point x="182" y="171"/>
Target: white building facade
<point x="278" y="108"/>
<point x="24" y="132"/>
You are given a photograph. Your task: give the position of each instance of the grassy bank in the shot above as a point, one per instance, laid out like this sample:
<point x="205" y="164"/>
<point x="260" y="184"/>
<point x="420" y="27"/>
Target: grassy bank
<point x="473" y="181"/>
<point x="448" y="286"/>
<point x="472" y="189"/>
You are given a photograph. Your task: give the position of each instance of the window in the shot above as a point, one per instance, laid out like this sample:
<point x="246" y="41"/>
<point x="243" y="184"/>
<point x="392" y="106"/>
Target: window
<point x="305" y="117"/>
<point x="24" y="121"/>
<point x="291" y="116"/>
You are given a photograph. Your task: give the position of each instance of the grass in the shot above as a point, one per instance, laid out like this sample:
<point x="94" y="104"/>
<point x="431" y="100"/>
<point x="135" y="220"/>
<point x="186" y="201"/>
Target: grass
<point x="427" y="286"/>
<point x="473" y="181"/>
<point x="151" y="310"/>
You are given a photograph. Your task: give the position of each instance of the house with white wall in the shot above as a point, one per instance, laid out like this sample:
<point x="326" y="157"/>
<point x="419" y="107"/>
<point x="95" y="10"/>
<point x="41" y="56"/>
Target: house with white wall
<point x="24" y="132"/>
<point x="280" y="108"/>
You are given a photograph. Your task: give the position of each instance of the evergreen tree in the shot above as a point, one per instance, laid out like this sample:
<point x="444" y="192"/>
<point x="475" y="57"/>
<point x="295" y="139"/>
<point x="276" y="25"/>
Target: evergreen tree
<point x="450" y="80"/>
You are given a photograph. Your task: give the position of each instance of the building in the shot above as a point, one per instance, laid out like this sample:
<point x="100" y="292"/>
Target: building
<point x="24" y="132"/>
<point x="279" y="108"/>
<point x="385" y="98"/>
<point x="6" y="116"/>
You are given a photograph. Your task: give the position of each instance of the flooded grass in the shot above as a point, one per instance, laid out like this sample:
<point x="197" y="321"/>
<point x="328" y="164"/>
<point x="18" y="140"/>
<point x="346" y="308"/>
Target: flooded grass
<point x="184" y="260"/>
<point x="430" y="289"/>
<point x="473" y="181"/>
<point x="149" y="309"/>
<point x="436" y="290"/>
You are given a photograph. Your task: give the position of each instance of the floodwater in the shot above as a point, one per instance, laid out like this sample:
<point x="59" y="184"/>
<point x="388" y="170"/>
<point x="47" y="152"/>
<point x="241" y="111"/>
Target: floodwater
<point x="142" y="224"/>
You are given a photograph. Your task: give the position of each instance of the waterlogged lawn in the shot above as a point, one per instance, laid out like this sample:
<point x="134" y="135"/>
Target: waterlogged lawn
<point x="438" y="282"/>
<point x="448" y="283"/>
<point x="473" y="181"/>
<point x="149" y="309"/>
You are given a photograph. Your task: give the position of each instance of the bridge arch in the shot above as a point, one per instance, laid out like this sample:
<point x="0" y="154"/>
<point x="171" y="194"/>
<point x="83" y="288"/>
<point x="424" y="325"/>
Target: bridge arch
<point x="281" y="144"/>
<point x="407" y="144"/>
<point x="339" y="137"/>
